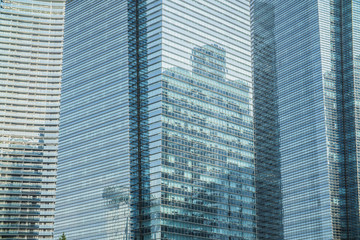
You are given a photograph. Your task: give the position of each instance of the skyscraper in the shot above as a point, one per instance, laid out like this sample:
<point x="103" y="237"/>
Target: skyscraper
<point x="157" y="131"/>
<point x="316" y="47"/>
<point x="266" y="122"/>
<point x="94" y="152"/>
<point x="31" y="40"/>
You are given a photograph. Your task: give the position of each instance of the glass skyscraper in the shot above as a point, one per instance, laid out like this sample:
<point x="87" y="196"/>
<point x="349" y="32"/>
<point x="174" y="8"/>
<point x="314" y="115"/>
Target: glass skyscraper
<point x="31" y="41"/>
<point x="94" y="153"/>
<point x="266" y="122"/>
<point x="316" y="49"/>
<point x="157" y="123"/>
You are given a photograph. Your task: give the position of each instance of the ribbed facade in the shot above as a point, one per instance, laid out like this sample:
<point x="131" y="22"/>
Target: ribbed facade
<point x="317" y="69"/>
<point x="94" y="157"/>
<point x="31" y="41"/>
<point x="266" y="122"/>
<point x="157" y="103"/>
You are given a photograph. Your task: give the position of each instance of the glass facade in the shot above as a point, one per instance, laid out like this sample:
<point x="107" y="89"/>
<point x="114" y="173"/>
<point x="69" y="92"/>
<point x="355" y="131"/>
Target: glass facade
<point x="266" y="122"/>
<point x="207" y="147"/>
<point x="31" y="41"/>
<point x="316" y="67"/>
<point x="157" y="130"/>
<point x="94" y="158"/>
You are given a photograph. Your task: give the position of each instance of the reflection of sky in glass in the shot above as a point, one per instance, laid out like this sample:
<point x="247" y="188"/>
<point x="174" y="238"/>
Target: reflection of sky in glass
<point x="197" y="30"/>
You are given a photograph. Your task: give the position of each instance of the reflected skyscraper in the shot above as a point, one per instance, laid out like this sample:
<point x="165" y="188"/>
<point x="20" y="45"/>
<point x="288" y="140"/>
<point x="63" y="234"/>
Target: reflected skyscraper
<point x="157" y="101"/>
<point x="316" y="48"/>
<point x="116" y="200"/>
<point x="217" y="180"/>
<point x="31" y="41"/>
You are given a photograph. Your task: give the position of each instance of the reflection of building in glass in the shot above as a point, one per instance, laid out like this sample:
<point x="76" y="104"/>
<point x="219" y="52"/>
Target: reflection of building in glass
<point x="317" y="76"/>
<point x="152" y="102"/>
<point x="209" y="61"/>
<point x="31" y="39"/>
<point x="117" y="200"/>
<point x="208" y="170"/>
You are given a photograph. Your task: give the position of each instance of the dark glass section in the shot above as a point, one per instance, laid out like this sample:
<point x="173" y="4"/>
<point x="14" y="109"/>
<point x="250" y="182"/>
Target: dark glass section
<point x="144" y="21"/>
<point x="344" y="61"/>
<point x="267" y="138"/>
<point x="138" y="110"/>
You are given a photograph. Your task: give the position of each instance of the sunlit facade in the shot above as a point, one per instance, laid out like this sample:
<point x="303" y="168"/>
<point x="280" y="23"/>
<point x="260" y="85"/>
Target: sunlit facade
<point x="94" y="157"/>
<point x="31" y="41"/>
<point x="157" y="130"/>
<point x="317" y="70"/>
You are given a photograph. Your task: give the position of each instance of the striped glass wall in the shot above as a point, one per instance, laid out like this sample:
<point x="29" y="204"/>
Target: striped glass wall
<point x="93" y="174"/>
<point x="305" y="175"/>
<point x="31" y="41"/>
<point x="316" y="47"/>
<point x="266" y="119"/>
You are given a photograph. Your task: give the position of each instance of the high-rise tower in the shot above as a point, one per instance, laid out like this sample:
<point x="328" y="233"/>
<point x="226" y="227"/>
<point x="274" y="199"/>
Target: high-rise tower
<point x="31" y="40"/>
<point x="157" y="121"/>
<point x="266" y="122"/>
<point x="317" y="77"/>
